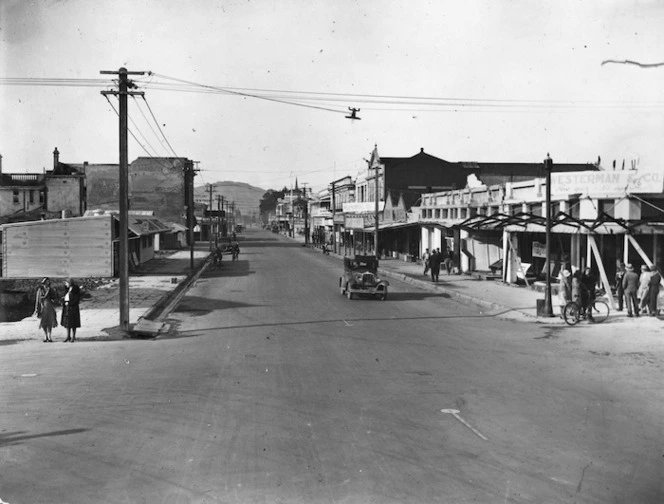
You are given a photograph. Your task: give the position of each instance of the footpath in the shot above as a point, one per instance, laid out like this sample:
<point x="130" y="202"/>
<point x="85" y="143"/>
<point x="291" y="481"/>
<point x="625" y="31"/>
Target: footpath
<point x="156" y="287"/>
<point x="153" y="288"/>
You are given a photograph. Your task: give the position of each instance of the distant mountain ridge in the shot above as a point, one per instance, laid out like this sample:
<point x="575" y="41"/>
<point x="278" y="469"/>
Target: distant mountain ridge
<point x="245" y="196"/>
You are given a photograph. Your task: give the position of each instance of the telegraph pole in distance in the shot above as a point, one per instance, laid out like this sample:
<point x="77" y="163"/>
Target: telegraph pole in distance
<point x="122" y="93"/>
<point x="210" y="219"/>
<point x="548" y="168"/>
<point x="375" y="165"/>
<point x="334" y="212"/>
<point x="216" y="237"/>
<point x="189" y="174"/>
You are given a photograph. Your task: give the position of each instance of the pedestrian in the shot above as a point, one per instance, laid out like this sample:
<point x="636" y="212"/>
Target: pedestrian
<point x="644" y="287"/>
<point x="44" y="308"/>
<point x="71" y="314"/>
<point x="589" y="282"/>
<point x="577" y="290"/>
<point x="620" y="293"/>
<point x="434" y="264"/>
<point x="450" y="261"/>
<point x="653" y="290"/>
<point x="425" y="259"/>
<point x="630" y="285"/>
<point x="564" y="289"/>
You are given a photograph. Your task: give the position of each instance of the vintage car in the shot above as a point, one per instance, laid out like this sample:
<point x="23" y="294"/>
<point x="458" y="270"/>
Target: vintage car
<point x="361" y="277"/>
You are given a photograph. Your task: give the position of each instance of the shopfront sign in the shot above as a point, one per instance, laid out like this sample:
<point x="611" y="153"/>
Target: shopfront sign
<point x="539" y="249"/>
<point x="607" y="183"/>
<point x="354" y="222"/>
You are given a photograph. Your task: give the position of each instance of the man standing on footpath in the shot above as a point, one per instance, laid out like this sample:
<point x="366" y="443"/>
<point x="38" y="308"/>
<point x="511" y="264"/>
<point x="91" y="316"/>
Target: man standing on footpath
<point x="653" y="290"/>
<point x="589" y="282"/>
<point x="425" y="259"/>
<point x="630" y="285"/>
<point x="620" y="293"/>
<point x="434" y="263"/>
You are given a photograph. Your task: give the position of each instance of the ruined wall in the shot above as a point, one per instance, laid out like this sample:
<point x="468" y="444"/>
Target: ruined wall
<point x="155" y="184"/>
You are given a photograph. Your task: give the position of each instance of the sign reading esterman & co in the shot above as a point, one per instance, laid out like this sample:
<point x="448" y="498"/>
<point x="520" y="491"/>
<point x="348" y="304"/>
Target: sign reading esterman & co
<point x="607" y="183"/>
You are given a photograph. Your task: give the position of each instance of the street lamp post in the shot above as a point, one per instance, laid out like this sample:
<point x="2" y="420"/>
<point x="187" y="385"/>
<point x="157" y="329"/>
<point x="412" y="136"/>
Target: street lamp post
<point x="548" y="167"/>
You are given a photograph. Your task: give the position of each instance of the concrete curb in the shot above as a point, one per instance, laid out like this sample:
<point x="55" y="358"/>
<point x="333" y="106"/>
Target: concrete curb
<point x="453" y="294"/>
<point x="151" y="323"/>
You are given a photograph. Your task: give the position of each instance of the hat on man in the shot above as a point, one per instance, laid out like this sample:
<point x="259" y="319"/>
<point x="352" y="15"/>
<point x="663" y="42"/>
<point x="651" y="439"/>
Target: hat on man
<point x="644" y="268"/>
<point x="629" y="267"/>
<point x="45" y="280"/>
<point x="566" y="273"/>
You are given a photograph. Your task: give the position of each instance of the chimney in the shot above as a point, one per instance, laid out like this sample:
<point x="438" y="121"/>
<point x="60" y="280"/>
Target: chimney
<point x="56" y="158"/>
<point x="421" y="150"/>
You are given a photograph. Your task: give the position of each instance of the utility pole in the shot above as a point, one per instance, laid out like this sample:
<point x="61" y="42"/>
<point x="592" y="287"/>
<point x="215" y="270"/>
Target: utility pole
<point x="375" y="165"/>
<point x="189" y="174"/>
<point x="334" y="212"/>
<point x="548" y="168"/>
<point x="123" y="260"/>
<point x="219" y="200"/>
<point x="210" y="219"/>
<point x="306" y="214"/>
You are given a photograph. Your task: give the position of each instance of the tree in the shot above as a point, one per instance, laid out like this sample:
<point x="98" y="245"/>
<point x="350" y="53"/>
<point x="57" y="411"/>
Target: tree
<point x="268" y="202"/>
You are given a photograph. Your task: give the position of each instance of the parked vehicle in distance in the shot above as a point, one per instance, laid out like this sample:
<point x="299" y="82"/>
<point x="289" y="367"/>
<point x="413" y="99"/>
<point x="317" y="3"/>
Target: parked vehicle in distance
<point x="361" y="277"/>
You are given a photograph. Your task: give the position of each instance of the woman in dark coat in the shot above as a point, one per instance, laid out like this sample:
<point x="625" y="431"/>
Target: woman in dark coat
<point x="44" y="300"/>
<point x="71" y="314"/>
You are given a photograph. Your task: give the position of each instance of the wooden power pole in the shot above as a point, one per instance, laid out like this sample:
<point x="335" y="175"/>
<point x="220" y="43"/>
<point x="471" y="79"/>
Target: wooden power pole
<point x="122" y="93"/>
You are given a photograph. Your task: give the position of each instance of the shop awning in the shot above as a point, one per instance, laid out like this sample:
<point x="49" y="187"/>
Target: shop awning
<point x="391" y="225"/>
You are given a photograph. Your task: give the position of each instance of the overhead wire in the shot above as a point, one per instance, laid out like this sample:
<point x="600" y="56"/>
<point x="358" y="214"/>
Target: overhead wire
<point x="160" y="161"/>
<point x="327" y="100"/>
<point x="136" y="102"/>
<point x="240" y="93"/>
<point x="159" y="127"/>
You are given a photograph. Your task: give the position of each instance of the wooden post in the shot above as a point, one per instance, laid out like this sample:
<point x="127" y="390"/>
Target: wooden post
<point x="592" y="247"/>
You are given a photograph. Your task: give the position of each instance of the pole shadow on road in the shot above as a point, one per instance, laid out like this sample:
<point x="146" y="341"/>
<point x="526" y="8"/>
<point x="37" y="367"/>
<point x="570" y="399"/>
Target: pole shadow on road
<point x="12" y="438"/>
<point x="196" y="305"/>
<point x="412" y="296"/>
<point x="200" y="331"/>
<point x="228" y="268"/>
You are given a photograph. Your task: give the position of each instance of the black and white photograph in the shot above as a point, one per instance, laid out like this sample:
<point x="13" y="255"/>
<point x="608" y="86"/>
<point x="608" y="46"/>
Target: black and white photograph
<point x="331" y="252"/>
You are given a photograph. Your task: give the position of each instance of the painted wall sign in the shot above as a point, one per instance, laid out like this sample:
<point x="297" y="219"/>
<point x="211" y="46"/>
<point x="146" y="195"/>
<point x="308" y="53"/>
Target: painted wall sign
<point x="607" y="183"/>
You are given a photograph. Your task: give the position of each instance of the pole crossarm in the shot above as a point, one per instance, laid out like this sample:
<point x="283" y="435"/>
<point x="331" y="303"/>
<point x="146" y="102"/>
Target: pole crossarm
<point x="128" y="93"/>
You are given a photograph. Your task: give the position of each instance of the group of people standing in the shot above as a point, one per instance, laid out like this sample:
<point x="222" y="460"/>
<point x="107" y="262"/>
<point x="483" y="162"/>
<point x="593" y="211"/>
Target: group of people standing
<point x="639" y="292"/>
<point x="47" y="298"/>
<point x="433" y="260"/>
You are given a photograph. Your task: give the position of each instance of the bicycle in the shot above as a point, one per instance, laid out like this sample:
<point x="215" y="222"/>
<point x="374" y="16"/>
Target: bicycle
<point x="573" y="313"/>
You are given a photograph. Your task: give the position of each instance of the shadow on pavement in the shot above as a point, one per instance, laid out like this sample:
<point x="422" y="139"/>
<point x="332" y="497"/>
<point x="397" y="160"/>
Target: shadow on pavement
<point x="197" y="305"/>
<point x="413" y="296"/>
<point x="228" y="269"/>
<point x="12" y="438"/>
<point x="199" y="331"/>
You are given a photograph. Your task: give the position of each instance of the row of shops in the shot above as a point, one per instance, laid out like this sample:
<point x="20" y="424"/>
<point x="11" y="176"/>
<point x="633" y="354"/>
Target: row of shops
<point x="599" y="219"/>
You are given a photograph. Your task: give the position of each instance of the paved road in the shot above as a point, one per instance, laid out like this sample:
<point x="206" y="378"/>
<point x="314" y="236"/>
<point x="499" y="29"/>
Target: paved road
<point x="271" y="387"/>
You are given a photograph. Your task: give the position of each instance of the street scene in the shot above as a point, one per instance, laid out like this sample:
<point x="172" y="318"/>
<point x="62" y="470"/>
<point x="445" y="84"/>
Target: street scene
<point x="270" y="386"/>
<point x="331" y="252"/>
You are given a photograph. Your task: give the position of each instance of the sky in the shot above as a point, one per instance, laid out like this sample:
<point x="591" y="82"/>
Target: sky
<point x="257" y="91"/>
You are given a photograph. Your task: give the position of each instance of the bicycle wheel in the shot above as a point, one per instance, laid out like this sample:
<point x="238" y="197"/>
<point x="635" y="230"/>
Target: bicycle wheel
<point x="571" y="313"/>
<point x="600" y="311"/>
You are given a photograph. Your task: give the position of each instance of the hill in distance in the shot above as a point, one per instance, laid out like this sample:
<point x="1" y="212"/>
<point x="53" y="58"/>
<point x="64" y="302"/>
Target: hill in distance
<point x="246" y="197"/>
